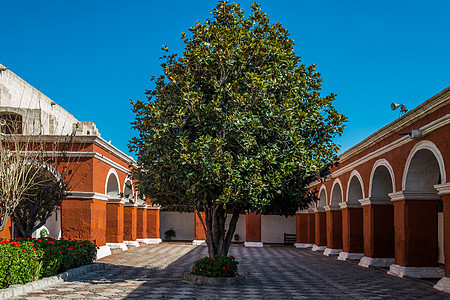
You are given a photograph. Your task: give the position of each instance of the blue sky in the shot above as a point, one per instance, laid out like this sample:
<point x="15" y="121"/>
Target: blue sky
<point x="92" y="57"/>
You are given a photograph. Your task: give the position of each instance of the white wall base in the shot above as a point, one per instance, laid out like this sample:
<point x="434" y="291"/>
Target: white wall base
<point x="375" y="262"/>
<point x="319" y="248"/>
<point x="416" y="272"/>
<point x="149" y="241"/>
<point x="117" y="246"/>
<point x="329" y="252"/>
<point x="300" y="245"/>
<point x="132" y="243"/>
<point x="443" y="285"/>
<point x="254" y="244"/>
<point x="103" y="251"/>
<point x="347" y="255"/>
<point x="199" y="242"/>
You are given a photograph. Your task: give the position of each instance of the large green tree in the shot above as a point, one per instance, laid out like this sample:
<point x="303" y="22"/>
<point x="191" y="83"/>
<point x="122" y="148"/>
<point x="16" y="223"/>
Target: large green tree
<point x="237" y="123"/>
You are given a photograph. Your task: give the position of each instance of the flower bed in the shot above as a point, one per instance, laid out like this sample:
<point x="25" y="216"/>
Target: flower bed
<point x="27" y="260"/>
<point x="220" y="266"/>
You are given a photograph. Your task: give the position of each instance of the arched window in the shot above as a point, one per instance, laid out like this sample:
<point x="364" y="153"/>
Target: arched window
<point x="11" y="123"/>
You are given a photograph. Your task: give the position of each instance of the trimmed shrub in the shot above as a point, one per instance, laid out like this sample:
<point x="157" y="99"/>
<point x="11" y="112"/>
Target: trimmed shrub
<point x="20" y="262"/>
<point x="23" y="261"/>
<point x="219" y="266"/>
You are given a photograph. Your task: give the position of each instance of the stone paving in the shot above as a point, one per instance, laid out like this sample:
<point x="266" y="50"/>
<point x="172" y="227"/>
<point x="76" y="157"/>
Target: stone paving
<point x="156" y="271"/>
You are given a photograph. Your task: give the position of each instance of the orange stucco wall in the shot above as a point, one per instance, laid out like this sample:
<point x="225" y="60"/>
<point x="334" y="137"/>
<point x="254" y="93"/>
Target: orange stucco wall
<point x="352" y="230"/>
<point x="199" y="229"/>
<point x="129" y="222"/>
<point x="153" y="223"/>
<point x="114" y="223"/>
<point x="320" y="234"/>
<point x="141" y="231"/>
<point x="334" y="229"/>
<point x="378" y="231"/>
<point x="84" y="220"/>
<point x="6" y="233"/>
<point x="253" y="227"/>
<point x="302" y="228"/>
<point x="416" y="233"/>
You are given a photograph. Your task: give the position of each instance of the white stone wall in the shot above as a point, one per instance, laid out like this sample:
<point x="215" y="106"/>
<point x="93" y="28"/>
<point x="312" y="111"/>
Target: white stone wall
<point x="274" y="227"/>
<point x="240" y="228"/>
<point x="182" y="223"/>
<point x="40" y="115"/>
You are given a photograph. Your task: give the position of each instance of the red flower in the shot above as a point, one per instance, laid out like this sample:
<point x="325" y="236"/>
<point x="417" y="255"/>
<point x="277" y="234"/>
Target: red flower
<point x="40" y="241"/>
<point x="192" y="268"/>
<point x="60" y="252"/>
<point x="212" y="258"/>
<point x="224" y="268"/>
<point x="228" y="267"/>
<point x="81" y="245"/>
<point x="231" y="257"/>
<point x="223" y="275"/>
<point x="31" y="244"/>
<point x="34" y="259"/>
<point x="74" y="253"/>
<point x="23" y="250"/>
<point x="62" y="245"/>
<point x="34" y="249"/>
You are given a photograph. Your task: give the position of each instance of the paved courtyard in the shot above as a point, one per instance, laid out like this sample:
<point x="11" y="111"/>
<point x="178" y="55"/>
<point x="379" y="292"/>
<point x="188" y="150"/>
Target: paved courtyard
<point x="156" y="271"/>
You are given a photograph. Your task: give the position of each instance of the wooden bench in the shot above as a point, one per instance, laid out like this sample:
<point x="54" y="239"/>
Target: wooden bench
<point x="290" y="239"/>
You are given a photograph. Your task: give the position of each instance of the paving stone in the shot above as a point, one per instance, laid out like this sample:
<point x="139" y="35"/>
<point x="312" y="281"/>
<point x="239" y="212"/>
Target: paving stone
<point x="156" y="271"/>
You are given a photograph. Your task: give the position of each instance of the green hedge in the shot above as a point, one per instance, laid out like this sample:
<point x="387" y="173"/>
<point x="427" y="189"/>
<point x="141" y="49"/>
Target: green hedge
<point x="219" y="266"/>
<point x="23" y="261"/>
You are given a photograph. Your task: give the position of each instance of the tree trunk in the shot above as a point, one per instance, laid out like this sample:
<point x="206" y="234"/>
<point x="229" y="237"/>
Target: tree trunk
<point x="218" y="238"/>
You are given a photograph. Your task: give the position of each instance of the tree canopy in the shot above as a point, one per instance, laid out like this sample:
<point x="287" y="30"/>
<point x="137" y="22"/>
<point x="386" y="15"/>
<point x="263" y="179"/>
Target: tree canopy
<point x="236" y="123"/>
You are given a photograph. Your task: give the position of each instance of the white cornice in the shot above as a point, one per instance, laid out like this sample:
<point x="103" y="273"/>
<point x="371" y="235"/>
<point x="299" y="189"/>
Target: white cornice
<point x="374" y="201"/>
<point x="443" y="189"/>
<point x="443" y="121"/>
<point x="405" y="195"/>
<point x="86" y="195"/>
<point x="332" y="208"/>
<point x="432" y="104"/>
<point x="349" y="205"/>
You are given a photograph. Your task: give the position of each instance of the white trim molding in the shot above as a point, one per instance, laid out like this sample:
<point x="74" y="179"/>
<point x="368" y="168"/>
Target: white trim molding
<point x="330" y="252"/>
<point x="254" y="244"/>
<point x="86" y="196"/>
<point x="416" y="272"/>
<point x="443" y="189"/>
<point x="111" y="172"/>
<point x="103" y="251"/>
<point x="149" y="241"/>
<point x="405" y="195"/>
<point x="319" y="209"/>
<point x="332" y="208"/>
<point x="443" y="285"/>
<point x="199" y="243"/>
<point x="318" y="248"/>
<point x="302" y="245"/>
<point x="132" y="243"/>
<point x="337" y="181"/>
<point x="356" y="174"/>
<point x="427" y="145"/>
<point x="375" y="201"/>
<point x="381" y="162"/>
<point x="121" y="246"/>
<point x="350" y="205"/>
<point x="376" y="262"/>
<point x="350" y="256"/>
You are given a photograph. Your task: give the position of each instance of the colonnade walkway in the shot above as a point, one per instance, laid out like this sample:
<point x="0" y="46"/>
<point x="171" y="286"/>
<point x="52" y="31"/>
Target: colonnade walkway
<point x="156" y="271"/>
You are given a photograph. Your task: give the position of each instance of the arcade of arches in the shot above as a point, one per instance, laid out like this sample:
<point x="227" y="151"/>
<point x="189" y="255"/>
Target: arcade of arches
<point x="388" y="202"/>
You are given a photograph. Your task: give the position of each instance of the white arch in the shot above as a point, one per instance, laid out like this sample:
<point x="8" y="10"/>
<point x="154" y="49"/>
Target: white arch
<point x="427" y="145"/>
<point x="112" y="172"/>
<point x="132" y="188"/>
<point x="338" y="182"/>
<point x="358" y="176"/>
<point x="322" y="187"/>
<point x="385" y="163"/>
